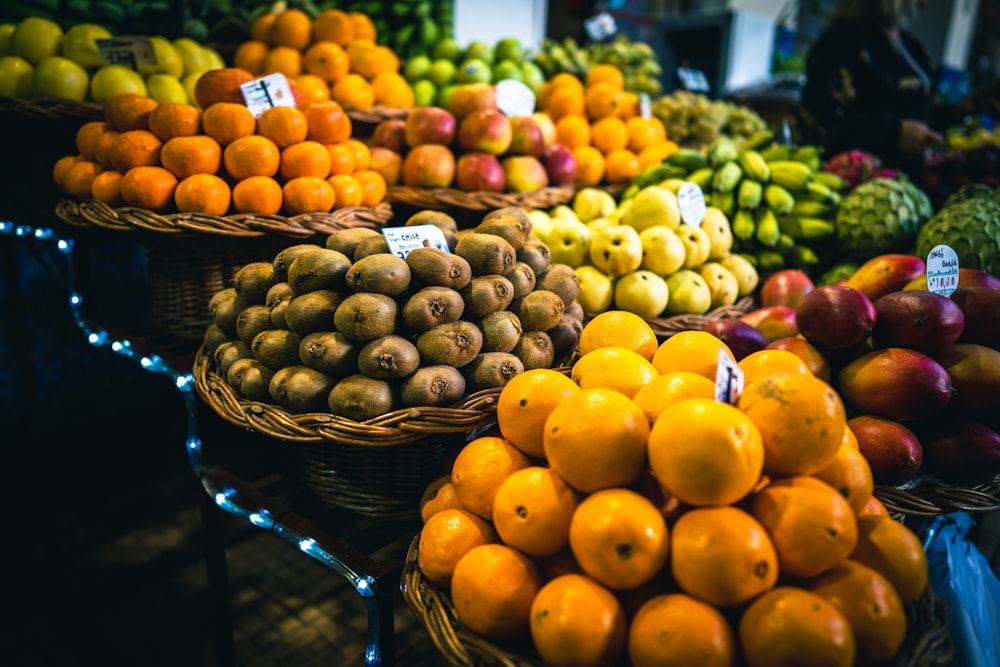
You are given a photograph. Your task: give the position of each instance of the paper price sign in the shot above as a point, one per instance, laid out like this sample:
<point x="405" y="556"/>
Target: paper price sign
<point x="269" y="91"/>
<point x="401" y="240"/>
<point x="645" y="106"/>
<point x="514" y="98"/>
<point x="942" y="270"/>
<point x="691" y="200"/>
<point x="127" y="51"/>
<point x="728" y="379"/>
<point x="600" y="26"/>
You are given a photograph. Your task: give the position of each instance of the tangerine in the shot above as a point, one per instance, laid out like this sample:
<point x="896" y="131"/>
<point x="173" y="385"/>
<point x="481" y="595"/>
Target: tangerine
<point x="253" y="155"/>
<point x="895" y="552"/>
<point x="307" y="194"/>
<point x="665" y="390"/>
<point x="576" y="622"/>
<point x="480" y="468"/>
<point x="691" y="350"/>
<point x="446" y="536"/>
<point x="525" y="403"/>
<point x="617" y="368"/>
<point x="493" y="587"/>
<point x="188" y="155"/>
<point x="150" y="187"/>
<point x="677" y="630"/>
<point x="532" y="510"/>
<point x="619" y="328"/>
<point x="203" y="193"/>
<point x="257" y="194"/>
<point x="228" y="121"/>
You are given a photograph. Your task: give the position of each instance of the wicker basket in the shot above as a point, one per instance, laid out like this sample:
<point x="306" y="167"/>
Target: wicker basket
<point x="447" y="199"/>
<point x="665" y="327"/>
<point x="52" y="108"/>
<point x="927" y="642"/>
<point x="932" y="499"/>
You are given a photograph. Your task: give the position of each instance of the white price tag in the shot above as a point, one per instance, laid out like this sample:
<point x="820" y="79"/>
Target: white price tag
<point x="691" y="200"/>
<point x="514" y="98"/>
<point x="401" y="240"/>
<point x="266" y="92"/>
<point x="645" y="106"/>
<point x="600" y="26"/>
<point x="942" y="270"/>
<point x="728" y="379"/>
<point x="127" y="51"/>
<point x="693" y="79"/>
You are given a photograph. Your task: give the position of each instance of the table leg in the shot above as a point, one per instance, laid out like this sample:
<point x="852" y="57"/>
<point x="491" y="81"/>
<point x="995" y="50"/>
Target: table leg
<point x="218" y="581"/>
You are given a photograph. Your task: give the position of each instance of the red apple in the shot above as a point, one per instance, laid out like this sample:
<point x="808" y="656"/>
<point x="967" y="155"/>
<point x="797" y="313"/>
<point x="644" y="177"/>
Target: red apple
<point x="545" y="123"/>
<point x="485" y="130"/>
<point x="390" y="133"/>
<point x="469" y="97"/>
<point x="785" y="288"/>
<point x="387" y="162"/>
<point x="559" y="164"/>
<point x="524" y="173"/>
<point x="526" y="137"/>
<point x="479" y="171"/>
<point x="429" y="166"/>
<point x="430" y="125"/>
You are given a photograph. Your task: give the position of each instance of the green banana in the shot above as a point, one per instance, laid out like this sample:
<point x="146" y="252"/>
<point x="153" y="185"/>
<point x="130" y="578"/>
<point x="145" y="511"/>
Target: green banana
<point x="812" y="229"/>
<point x="749" y="194"/>
<point x="804" y="256"/>
<point x="757" y="141"/>
<point x="786" y="244"/>
<point x="727" y="177"/>
<point x="776" y="152"/>
<point x="743" y="224"/>
<point x="724" y="201"/>
<point x="770" y="260"/>
<point x="778" y="199"/>
<point x="808" y="155"/>
<point x="721" y="151"/>
<point x="701" y="177"/>
<point x="810" y="208"/>
<point x="830" y="180"/>
<point x="689" y="158"/>
<point x="767" y="229"/>
<point x="791" y="175"/>
<point x="652" y="176"/>
<point x="820" y="192"/>
<point x="754" y="165"/>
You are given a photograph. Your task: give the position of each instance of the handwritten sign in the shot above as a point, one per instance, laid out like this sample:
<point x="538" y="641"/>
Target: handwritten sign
<point x="401" y="240"/>
<point x="127" y="51"/>
<point x="600" y="25"/>
<point x="942" y="270"/>
<point x="514" y="98"/>
<point x="691" y="200"/>
<point x="728" y="379"/>
<point x="266" y="92"/>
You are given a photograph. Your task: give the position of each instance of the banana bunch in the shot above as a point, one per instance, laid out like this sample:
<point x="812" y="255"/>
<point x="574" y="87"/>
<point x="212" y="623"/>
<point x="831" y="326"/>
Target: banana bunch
<point x="636" y="60"/>
<point x="694" y="120"/>
<point x="408" y="28"/>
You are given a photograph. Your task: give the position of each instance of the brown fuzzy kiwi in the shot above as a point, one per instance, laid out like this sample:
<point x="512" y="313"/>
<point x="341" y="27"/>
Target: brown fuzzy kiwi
<point x="388" y="358"/>
<point x="435" y="386"/>
<point x="278" y="314"/>
<point x="346" y="239"/>
<point x="490" y="370"/>
<point x="251" y="379"/>
<point x="286" y="256"/>
<point x="487" y="254"/>
<point x="372" y="245"/>
<point x="510" y="227"/>
<point x="312" y="311"/>
<point x="214" y="336"/>
<point x="365" y="316"/>
<point x="535" y="254"/>
<point x="382" y="273"/>
<point x="535" y="350"/>
<point x="228" y="352"/>
<point x="486" y="294"/>
<point x="453" y="343"/>
<point x="561" y="279"/>
<point x="430" y="307"/>
<point x="360" y="398"/>
<point x="276" y="348"/>
<point x="251" y="321"/>
<point x="278" y="292"/>
<point x="320" y="268"/>
<point x="433" y="266"/>
<point x="575" y="310"/>
<point x="565" y="336"/>
<point x="224" y="307"/>
<point x="300" y="389"/>
<point x="252" y="281"/>
<point x="433" y="217"/>
<point x="501" y="331"/>
<point x="523" y="278"/>
<point x="330" y="352"/>
<point x="234" y="374"/>
<point x="539" y="310"/>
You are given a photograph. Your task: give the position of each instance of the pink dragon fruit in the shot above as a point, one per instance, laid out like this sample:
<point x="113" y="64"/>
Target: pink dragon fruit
<point x="854" y="167"/>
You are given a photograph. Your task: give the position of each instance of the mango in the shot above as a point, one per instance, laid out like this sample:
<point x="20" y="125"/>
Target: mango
<point x="892" y="450"/>
<point x="895" y="383"/>
<point x="974" y="371"/>
<point x="833" y="317"/>
<point x="773" y="321"/>
<point x="967" y="277"/>
<point x="886" y="273"/>
<point x="981" y="308"/>
<point x="961" y="451"/>
<point x="922" y="321"/>
<point x="804" y="350"/>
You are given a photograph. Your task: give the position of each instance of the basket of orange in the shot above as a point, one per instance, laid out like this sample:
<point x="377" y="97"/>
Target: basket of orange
<point x="620" y="514"/>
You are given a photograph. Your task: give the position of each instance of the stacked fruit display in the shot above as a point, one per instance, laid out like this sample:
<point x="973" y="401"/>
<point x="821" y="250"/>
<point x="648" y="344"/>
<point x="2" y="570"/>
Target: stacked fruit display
<point x="356" y="330"/>
<point x="625" y="513"/>
<point x="636" y="60"/>
<point x="408" y="28"/>
<point x="696" y="121"/>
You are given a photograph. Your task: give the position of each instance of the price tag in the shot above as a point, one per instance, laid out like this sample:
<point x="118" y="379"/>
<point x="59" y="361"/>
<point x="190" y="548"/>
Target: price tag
<point x="728" y="379"/>
<point x="402" y="240"/>
<point x="127" y="51"/>
<point x="645" y="106"/>
<point x="514" y="98"/>
<point x="693" y="79"/>
<point x="266" y="92"/>
<point x="942" y="270"/>
<point x="599" y="26"/>
<point x="691" y="200"/>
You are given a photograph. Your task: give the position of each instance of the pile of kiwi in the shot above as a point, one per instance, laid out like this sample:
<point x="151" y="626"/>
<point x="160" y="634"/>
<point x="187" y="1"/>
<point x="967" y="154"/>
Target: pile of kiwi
<point x="352" y="329"/>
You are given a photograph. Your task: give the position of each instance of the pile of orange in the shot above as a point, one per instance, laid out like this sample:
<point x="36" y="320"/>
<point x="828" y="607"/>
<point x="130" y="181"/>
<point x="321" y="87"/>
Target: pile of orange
<point x="333" y="55"/>
<point x="621" y="512"/>
<point x="603" y="125"/>
<point x="220" y="160"/>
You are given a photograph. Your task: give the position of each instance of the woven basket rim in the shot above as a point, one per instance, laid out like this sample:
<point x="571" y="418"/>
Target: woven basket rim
<point x="931" y="497"/>
<point x="478" y="200"/>
<point x="376" y="114"/>
<point x="664" y="327"/>
<point x="53" y="108"/>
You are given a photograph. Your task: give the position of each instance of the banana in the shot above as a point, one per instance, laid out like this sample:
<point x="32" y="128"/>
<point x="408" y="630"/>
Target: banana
<point x="652" y="176"/>
<point x="767" y="228"/>
<point x="830" y="180"/>
<point x="754" y="165"/>
<point x="757" y="141"/>
<point x="776" y="152"/>
<point x="701" y="177"/>
<point x="721" y="151"/>
<point x="724" y="201"/>
<point x="689" y="158"/>
<point x="820" y="192"/>
<point x="749" y="194"/>
<point x="786" y="244"/>
<point x="743" y="224"/>
<point x="808" y="155"/>
<point x="810" y="208"/>
<point x="813" y="229"/>
<point x="727" y="177"/>
<point x="770" y="260"/>
<point x="804" y="256"/>
<point x="778" y="199"/>
<point x="791" y="175"/>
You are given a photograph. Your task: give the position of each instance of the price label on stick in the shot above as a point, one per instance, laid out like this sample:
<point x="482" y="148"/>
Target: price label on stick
<point x="942" y="270"/>
<point x="691" y="200"/>
<point x="728" y="379"/>
<point x="401" y="240"/>
<point x="600" y="25"/>
<point x="127" y="51"/>
<point x="514" y="98"/>
<point x="266" y="92"/>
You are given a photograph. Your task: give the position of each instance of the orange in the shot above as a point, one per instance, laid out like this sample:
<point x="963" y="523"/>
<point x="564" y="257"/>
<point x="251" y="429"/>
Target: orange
<point x="251" y="56"/>
<point x="595" y="439"/>
<point x="327" y="122"/>
<point x="492" y="587"/>
<point x="532" y="511"/>
<point x="590" y="166"/>
<point x="369" y="59"/>
<point x="362" y="154"/>
<point x="439" y="495"/>
<point x="610" y="135"/>
<point x="788" y="624"/>
<point x="373" y="187"/>
<point x="645" y="133"/>
<point x="811" y="525"/>
<point x="203" y="193"/>
<point x="175" y="119"/>
<point x="354" y="91"/>
<point x="850" y="474"/>
<point x="364" y="28"/>
<point x="346" y="189"/>
<point x="326" y="60"/>
<point x="601" y="99"/>
<point x="560" y="80"/>
<point x="655" y="154"/>
<point x="196" y="154"/>
<point x="392" y="90"/>
<point x="576" y="622"/>
<point x="228" y="121"/>
<point x="307" y="194"/>
<point x="260" y="27"/>
<point x="605" y="74"/>
<point x="291" y="27"/>
<point x="60" y="168"/>
<point x="677" y="630"/>
<point x="87" y="137"/>
<point x="665" y="390"/>
<point x="283" y="125"/>
<point x="221" y="85"/>
<point x="849" y="438"/>
<point x="628" y="107"/>
<point x="619" y="538"/>
<point x="871" y="606"/>
<point x="103" y="153"/>
<point x="801" y="419"/>
<point x="257" y="194"/>
<point x="566" y="101"/>
<point x="615" y="368"/>
<point x="106" y="187"/>
<point x="799" y="346"/>
<point x="573" y="131"/>
<point x="762" y="363"/>
<point x="526" y="401"/>
<point x="722" y="556"/>
<point x="251" y="156"/>
<point x="314" y="89"/>
<point x="333" y="25"/>
<point x="895" y="552"/>
<point x="480" y="468"/>
<point x="619" y="328"/>
<point x="341" y="159"/>
<point x="149" y="187"/>
<point x="285" y="60"/>
<point x="446" y="536"/>
<point x="306" y="158"/>
<point x="135" y="148"/>
<point x="621" y="165"/>
<point x="128" y="111"/>
<point x="691" y="350"/>
<point x="78" y="180"/>
<point x="705" y="452"/>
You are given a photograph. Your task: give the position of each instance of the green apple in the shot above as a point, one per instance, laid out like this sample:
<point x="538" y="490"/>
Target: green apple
<point x="616" y="250"/>
<point x="744" y="271"/>
<point x="590" y="203"/>
<point x="168" y="60"/>
<point x="642" y="292"/>
<point x="113" y="79"/>
<point x="509" y="48"/>
<point x="474" y="70"/>
<point x="60" y="77"/>
<point x="447" y="49"/>
<point x="441" y="72"/>
<point x="653" y="205"/>
<point x="444" y="95"/>
<point x="6" y="30"/>
<point x="597" y="289"/>
<point x="569" y="242"/>
<point x="36" y="38"/>
<point x="662" y="250"/>
<point x="16" y="78"/>
<point x="697" y="245"/>
<point x="164" y="87"/>
<point x="192" y="54"/>
<point x="79" y="44"/>
<point x="479" y="50"/>
<point x="424" y="93"/>
<point x="507" y="69"/>
<point x="532" y="75"/>
<point x="720" y="234"/>
<point x="565" y="212"/>
<point x="417" y="68"/>
<point x="722" y="283"/>
<point x="689" y="293"/>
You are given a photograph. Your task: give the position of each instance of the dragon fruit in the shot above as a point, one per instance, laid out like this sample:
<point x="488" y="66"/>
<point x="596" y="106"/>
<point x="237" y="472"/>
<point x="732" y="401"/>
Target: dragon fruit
<point x="854" y="167"/>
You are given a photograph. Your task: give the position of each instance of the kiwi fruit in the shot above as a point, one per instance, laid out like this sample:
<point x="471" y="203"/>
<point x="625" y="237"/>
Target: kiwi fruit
<point x="252" y="281"/>
<point x="539" y="310"/>
<point x="523" y="278"/>
<point x="251" y="321"/>
<point x="431" y="306"/>
<point x="278" y="292"/>
<point x="535" y="254"/>
<point x="278" y="314"/>
<point x="227" y="353"/>
<point x="389" y="357"/>
<point x="312" y="311"/>
<point x="224" y="307"/>
<point x="382" y="273"/>
<point x="300" y="389"/>
<point x="320" y="268"/>
<point x="251" y="380"/>
<point x="346" y="239"/>
<point x="490" y="370"/>
<point x="234" y="374"/>
<point x="486" y="294"/>
<point x="575" y="310"/>
<point x="360" y="398"/>
<point x="565" y="336"/>
<point x="487" y="254"/>
<point x="276" y="348"/>
<point x="561" y="279"/>
<point x="437" y="385"/>
<point x="501" y="331"/>
<point x="286" y="256"/>
<point x="433" y="266"/>
<point x="432" y="217"/>
<point x="452" y="343"/>
<point x="214" y="336"/>
<point x="365" y="316"/>
<point x="510" y="227"/>
<point x="330" y="352"/>
<point x="534" y="349"/>
<point x="371" y="245"/>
